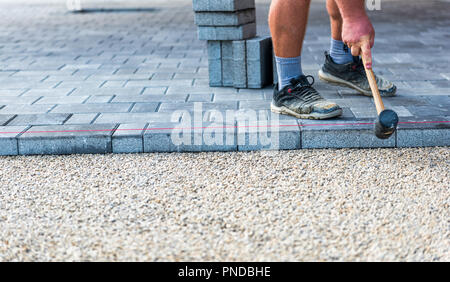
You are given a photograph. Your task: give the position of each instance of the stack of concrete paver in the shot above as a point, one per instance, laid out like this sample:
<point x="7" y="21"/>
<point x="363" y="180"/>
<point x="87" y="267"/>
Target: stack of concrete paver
<point x="236" y="56"/>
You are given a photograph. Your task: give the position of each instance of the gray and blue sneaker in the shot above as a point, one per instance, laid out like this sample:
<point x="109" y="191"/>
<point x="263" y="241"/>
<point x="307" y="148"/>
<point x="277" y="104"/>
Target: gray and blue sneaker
<point x="353" y="75"/>
<point x="301" y="100"/>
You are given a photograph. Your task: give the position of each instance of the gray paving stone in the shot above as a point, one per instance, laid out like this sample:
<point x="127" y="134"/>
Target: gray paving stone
<point x="424" y="132"/>
<point x="225" y="18"/>
<point x="10" y="100"/>
<point x="81" y="118"/>
<point x="144" y="107"/>
<point x="423" y="137"/>
<point x="8" y="141"/>
<point x="238" y="97"/>
<point x="158" y="137"/>
<point x="4" y="119"/>
<point x="160" y="83"/>
<point x="58" y="92"/>
<point x="129" y="138"/>
<point x="154" y="91"/>
<point x="227" y="32"/>
<point x="259" y="62"/>
<point x="26" y="109"/>
<point x="108" y="91"/>
<point x="98" y="99"/>
<point x="215" y="63"/>
<point x="39" y="119"/>
<point x="218" y="137"/>
<point x="341" y="134"/>
<point x="106" y="118"/>
<point x="227" y="63"/>
<point x="207" y="97"/>
<point x="151" y="98"/>
<point x="222" y="5"/>
<point x="431" y="110"/>
<point x="255" y="105"/>
<point x="239" y="64"/>
<point x="66" y="139"/>
<point x="11" y="92"/>
<point x="192" y="107"/>
<point x="62" y="100"/>
<point x="186" y="137"/>
<point x="439" y="101"/>
<point x="93" y="108"/>
<point x="267" y="132"/>
<point x="365" y="112"/>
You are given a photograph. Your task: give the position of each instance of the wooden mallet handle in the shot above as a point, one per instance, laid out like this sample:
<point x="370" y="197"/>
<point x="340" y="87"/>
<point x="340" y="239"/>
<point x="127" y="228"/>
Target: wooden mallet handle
<point x="373" y="86"/>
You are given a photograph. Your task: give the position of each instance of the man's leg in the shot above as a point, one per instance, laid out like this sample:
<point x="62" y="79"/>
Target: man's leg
<point x="295" y="95"/>
<point x="287" y="21"/>
<point x="341" y="67"/>
<point x="339" y="52"/>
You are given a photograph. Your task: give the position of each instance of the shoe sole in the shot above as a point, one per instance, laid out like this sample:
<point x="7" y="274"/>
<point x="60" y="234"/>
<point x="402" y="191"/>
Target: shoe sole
<point x="340" y="82"/>
<point x="285" y="111"/>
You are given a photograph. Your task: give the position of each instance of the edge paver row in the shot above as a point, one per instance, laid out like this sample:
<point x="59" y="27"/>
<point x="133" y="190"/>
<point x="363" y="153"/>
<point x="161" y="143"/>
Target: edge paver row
<point x="156" y="137"/>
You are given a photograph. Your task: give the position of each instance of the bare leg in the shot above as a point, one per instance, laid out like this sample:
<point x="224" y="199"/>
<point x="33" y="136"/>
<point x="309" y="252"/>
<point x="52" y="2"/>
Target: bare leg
<point x="287" y="22"/>
<point x="335" y="20"/>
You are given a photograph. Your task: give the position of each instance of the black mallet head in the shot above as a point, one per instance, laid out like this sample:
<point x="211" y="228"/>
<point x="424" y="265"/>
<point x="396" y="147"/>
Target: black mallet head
<point x="386" y="124"/>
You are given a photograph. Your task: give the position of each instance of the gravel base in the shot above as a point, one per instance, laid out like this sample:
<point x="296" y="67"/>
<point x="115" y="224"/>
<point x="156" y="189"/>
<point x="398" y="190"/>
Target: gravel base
<point x="354" y="205"/>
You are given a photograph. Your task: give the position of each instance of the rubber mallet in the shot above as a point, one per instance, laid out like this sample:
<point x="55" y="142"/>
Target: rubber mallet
<point x="387" y="120"/>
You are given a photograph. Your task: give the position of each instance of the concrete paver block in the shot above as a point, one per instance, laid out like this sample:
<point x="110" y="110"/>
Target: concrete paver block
<point x="227" y="63"/>
<point x="222" y="5"/>
<point x="225" y="18"/>
<point x="239" y="64"/>
<point x="8" y="139"/>
<point x="66" y="139"/>
<point x="259" y="62"/>
<point x="227" y="32"/>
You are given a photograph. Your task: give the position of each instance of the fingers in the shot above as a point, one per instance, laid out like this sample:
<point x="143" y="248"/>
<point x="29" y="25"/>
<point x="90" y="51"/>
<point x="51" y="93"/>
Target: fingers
<point x="366" y="54"/>
<point x="372" y="41"/>
<point x="356" y="51"/>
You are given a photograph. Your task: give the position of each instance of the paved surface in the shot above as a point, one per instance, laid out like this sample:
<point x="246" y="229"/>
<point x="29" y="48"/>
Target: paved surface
<point x="104" y="74"/>
<point x="349" y="204"/>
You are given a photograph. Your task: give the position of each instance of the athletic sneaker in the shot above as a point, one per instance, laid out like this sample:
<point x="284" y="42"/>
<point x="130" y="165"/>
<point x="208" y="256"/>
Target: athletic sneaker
<point x="354" y="76"/>
<point x="301" y="100"/>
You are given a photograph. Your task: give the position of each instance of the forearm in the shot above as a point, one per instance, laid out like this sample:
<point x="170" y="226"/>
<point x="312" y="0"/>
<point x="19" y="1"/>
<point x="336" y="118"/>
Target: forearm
<point x="351" y="9"/>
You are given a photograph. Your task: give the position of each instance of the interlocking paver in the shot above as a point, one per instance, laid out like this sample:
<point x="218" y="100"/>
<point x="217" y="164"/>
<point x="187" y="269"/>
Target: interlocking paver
<point x="4" y="119"/>
<point x="61" y="99"/>
<point x="128" y="138"/>
<point x="133" y="117"/>
<point x="8" y="141"/>
<point x="26" y="109"/>
<point x="150" y="98"/>
<point x="39" y="119"/>
<point x="10" y="100"/>
<point x="98" y="99"/>
<point x="66" y="139"/>
<point x="81" y="118"/>
<point x="145" y="107"/>
<point x="93" y="108"/>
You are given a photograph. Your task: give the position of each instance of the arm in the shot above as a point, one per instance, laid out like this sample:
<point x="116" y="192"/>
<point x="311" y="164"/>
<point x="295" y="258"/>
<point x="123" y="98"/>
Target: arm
<point x="357" y="30"/>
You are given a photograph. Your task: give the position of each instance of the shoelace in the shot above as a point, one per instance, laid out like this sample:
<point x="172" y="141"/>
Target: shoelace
<point x="305" y="91"/>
